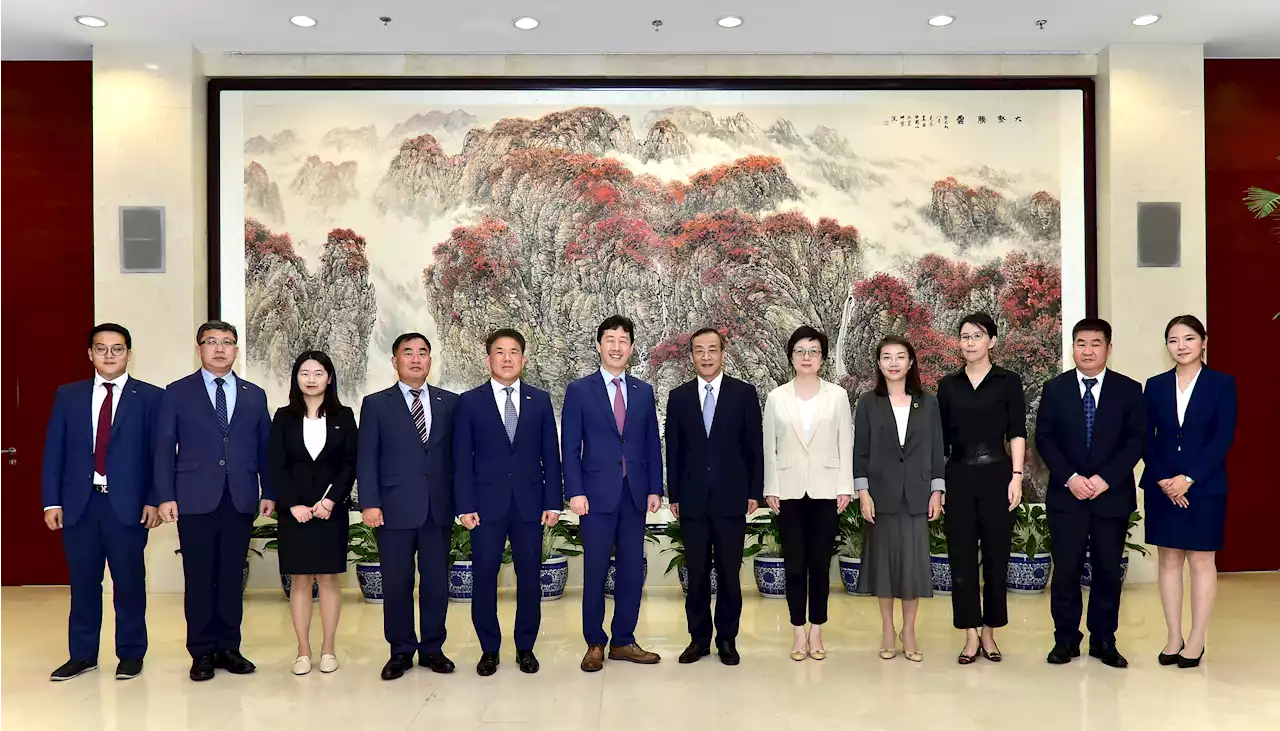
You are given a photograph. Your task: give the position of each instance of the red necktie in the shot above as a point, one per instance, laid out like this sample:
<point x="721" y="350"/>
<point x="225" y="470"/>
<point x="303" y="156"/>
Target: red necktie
<point x="103" y="436"/>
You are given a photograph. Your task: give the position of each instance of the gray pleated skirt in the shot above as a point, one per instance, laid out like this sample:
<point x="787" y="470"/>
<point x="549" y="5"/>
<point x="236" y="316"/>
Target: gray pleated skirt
<point x="895" y="557"/>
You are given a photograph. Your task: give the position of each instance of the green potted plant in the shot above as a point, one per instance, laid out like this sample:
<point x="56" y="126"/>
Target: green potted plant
<point x="651" y="533"/>
<point x="1030" y="552"/>
<point x="270" y="532"/>
<point x="461" y="575"/>
<point x="559" y="542"/>
<point x="849" y="546"/>
<point x="1086" y="571"/>
<point x="939" y="559"/>
<point x="675" y="545"/>
<point x="362" y="543"/>
<point x="766" y="556"/>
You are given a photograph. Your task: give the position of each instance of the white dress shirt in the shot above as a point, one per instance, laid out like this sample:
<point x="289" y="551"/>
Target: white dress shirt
<point x="422" y="398"/>
<point x="715" y="391"/>
<point x="500" y="396"/>
<point x="608" y="385"/>
<point x="313" y="435"/>
<point x="806" y="415"/>
<point x="1184" y="397"/>
<point x="1097" y="387"/>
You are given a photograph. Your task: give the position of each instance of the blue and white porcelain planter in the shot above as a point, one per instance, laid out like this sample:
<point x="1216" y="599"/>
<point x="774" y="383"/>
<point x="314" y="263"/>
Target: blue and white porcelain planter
<point x="940" y="563"/>
<point x="460" y="581"/>
<point x="610" y="580"/>
<point x="771" y="576"/>
<point x="849" y="570"/>
<point x="1028" y="574"/>
<point x="1086" y="571"/>
<point x="370" y="577"/>
<point x="683" y="572"/>
<point x="553" y="577"/>
<point x="286" y="581"/>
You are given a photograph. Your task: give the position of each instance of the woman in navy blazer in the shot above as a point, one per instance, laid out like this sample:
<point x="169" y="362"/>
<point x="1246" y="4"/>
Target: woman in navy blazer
<point x="1191" y="422"/>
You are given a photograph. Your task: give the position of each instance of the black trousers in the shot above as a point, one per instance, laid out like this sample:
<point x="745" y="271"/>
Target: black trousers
<point x="808" y="533"/>
<point x="978" y="514"/>
<point x="399" y="547"/>
<point x="214" y="547"/>
<point x="1072" y="534"/>
<point x="713" y="541"/>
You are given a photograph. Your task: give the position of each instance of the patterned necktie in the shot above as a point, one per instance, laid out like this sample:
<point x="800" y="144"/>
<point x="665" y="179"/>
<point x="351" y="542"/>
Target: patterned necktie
<point x="419" y="417"/>
<point x="220" y="405"/>
<point x="1090" y="410"/>
<point x="620" y="415"/>
<point x="103" y="437"/>
<point x="509" y="416"/>
<point x="708" y="408"/>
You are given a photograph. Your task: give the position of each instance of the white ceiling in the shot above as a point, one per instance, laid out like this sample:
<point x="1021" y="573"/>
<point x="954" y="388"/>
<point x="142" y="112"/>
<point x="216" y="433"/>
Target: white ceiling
<point x="45" y="29"/>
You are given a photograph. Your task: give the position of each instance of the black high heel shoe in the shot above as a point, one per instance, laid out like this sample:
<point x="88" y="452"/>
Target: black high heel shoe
<point x="1187" y="662"/>
<point x="1171" y="659"/>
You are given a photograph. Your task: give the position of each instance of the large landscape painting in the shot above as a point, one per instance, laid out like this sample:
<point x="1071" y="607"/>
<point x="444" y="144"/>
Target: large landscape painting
<point x="370" y="213"/>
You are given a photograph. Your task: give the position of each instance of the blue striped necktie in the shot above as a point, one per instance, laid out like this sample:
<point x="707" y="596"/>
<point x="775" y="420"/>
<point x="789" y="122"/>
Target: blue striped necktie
<point x="509" y="416"/>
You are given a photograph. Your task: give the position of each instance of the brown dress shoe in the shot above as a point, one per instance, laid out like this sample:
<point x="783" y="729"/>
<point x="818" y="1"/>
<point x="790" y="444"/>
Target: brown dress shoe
<point x="633" y="653"/>
<point x="593" y="661"/>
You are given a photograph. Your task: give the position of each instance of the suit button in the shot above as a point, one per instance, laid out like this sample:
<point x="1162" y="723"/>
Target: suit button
<point x="225" y="440"/>
<point x="622" y="439"/>
<point x="222" y="462"/>
<point x="708" y="469"/>
<point x="619" y="463"/>
<point x="425" y="476"/>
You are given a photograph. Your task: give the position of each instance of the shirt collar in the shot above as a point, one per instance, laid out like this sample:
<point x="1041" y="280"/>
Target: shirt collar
<point x="209" y="378"/>
<point x="498" y="388"/>
<point x="1080" y="377"/>
<point x="715" y="383"/>
<point x="608" y="377"/>
<point x="406" y="388"/>
<point x="118" y="381"/>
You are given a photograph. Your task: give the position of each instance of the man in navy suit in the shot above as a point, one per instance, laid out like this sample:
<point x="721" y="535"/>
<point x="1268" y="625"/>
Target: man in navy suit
<point x="1089" y="431"/>
<point x="405" y="477"/>
<point x="612" y="471"/>
<point x="506" y="484"/>
<point x="103" y="427"/>
<point x="715" y="479"/>
<point x="211" y="477"/>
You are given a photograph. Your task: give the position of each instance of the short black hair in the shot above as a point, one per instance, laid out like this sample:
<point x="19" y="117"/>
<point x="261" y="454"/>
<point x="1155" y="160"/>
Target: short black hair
<point x="1190" y="321"/>
<point x="500" y="333"/>
<point x="804" y="332"/>
<point x="111" y="327"/>
<point x="982" y="320"/>
<point x="913" y="373"/>
<point x="614" y="322"/>
<point x="1093" y="324"/>
<point x="395" y="347"/>
<point x="706" y="331"/>
<point x="297" y="402"/>
<point x="216" y="325"/>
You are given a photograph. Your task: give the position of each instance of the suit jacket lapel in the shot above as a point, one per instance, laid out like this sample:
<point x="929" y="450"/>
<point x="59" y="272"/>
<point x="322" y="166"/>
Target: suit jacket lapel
<point x="401" y="407"/>
<point x="632" y="392"/>
<point x="1076" y="407"/>
<point x="791" y="404"/>
<point x="913" y="423"/>
<point x="127" y="396"/>
<point x="1203" y="384"/>
<point x="242" y="391"/>
<point x="602" y="395"/>
<point x="888" y="421"/>
<point x="435" y="403"/>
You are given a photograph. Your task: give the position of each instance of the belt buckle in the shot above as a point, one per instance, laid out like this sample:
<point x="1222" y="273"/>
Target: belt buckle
<point x="100" y="488"/>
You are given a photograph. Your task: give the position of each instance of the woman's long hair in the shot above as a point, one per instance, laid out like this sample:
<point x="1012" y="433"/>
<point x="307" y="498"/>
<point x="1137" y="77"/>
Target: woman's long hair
<point x="297" y="402"/>
<point x="913" y="373"/>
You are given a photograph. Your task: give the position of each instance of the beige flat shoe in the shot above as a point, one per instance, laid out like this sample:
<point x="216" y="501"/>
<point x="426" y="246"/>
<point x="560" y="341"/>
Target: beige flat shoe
<point x="818" y="654"/>
<point x="302" y="665"/>
<point x="888" y="654"/>
<point x="799" y="655"/>
<point x="328" y="663"/>
<point x="912" y="656"/>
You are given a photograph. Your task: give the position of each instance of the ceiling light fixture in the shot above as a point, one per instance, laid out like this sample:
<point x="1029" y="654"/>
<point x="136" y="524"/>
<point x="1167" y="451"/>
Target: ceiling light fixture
<point x="729" y="21"/>
<point x="1143" y="20"/>
<point x="940" y="21"/>
<point x="90" y="21"/>
<point x="151" y="66"/>
<point x="525" y="23"/>
<point x="303" y="21"/>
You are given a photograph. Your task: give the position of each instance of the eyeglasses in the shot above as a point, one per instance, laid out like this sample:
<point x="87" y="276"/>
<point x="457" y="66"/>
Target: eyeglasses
<point x="215" y="342"/>
<point x="967" y="338"/>
<point x="810" y="353"/>
<point x="116" y="350"/>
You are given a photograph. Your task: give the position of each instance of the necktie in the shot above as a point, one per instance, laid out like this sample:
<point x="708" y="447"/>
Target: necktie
<point x="509" y="417"/>
<point x="220" y="405"/>
<point x="419" y="417"/>
<point x="103" y="437"/>
<point x="1090" y="410"/>
<point x="620" y="415"/>
<point x="708" y="408"/>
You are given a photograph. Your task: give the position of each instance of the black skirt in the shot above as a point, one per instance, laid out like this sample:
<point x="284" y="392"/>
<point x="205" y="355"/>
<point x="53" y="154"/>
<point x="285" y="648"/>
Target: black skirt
<point x="315" y="547"/>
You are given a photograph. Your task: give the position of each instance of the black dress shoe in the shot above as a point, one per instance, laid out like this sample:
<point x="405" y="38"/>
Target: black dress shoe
<point x="694" y="652"/>
<point x="233" y="662"/>
<point x="1109" y="655"/>
<point x="1062" y="653"/>
<point x="129" y="669"/>
<point x="728" y="652"/>
<point x="436" y="661"/>
<point x="528" y="663"/>
<point x="397" y="666"/>
<point x="202" y="667"/>
<point x="1166" y="660"/>
<point x="73" y="668"/>
<point x="1189" y="662"/>
<point x="487" y="666"/>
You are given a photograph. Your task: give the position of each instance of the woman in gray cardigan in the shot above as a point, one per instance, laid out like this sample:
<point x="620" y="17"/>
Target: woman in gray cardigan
<point x="898" y="469"/>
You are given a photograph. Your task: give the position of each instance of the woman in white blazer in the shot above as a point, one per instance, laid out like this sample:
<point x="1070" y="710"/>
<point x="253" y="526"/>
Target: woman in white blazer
<point x="808" y="481"/>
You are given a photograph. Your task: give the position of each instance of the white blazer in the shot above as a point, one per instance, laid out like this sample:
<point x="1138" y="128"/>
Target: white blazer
<point x="820" y="466"/>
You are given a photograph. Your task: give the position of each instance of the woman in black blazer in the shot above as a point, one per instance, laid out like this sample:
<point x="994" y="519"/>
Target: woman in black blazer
<point x="1191" y="422"/>
<point x="313" y="467"/>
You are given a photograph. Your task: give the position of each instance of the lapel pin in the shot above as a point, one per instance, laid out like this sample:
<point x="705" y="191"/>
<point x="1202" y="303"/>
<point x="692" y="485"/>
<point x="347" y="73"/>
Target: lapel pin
<point x="916" y="405"/>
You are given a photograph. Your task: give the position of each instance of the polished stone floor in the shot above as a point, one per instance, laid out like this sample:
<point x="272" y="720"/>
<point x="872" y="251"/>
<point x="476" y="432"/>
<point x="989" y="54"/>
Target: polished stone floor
<point x="1236" y="689"/>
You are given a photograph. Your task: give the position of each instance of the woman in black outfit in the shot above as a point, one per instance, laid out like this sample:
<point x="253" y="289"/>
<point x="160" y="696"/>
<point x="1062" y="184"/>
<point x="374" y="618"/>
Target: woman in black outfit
<point x="313" y="463"/>
<point x="983" y="409"/>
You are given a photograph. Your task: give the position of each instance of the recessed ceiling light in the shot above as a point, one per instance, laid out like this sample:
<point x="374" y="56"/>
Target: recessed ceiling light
<point x="729" y="21"/>
<point x="939" y="21"/>
<point x="151" y="66"/>
<point x="525" y="23"/>
<point x="303" y="21"/>
<point x="91" y="21"/>
<point x="1146" y="20"/>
